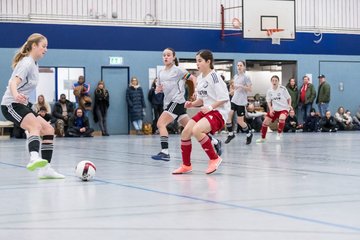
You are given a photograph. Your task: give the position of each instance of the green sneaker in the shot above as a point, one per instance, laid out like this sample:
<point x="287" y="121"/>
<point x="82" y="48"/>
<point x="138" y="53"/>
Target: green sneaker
<point x="38" y="163"/>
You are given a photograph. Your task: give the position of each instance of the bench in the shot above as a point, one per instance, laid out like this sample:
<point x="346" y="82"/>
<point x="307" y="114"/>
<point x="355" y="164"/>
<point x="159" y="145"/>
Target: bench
<point x="3" y="125"/>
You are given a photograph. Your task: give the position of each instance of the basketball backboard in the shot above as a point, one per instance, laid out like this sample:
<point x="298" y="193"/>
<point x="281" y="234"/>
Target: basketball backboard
<point x="261" y="15"/>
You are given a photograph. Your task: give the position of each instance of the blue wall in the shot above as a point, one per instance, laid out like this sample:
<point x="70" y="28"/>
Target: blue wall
<point x="91" y="46"/>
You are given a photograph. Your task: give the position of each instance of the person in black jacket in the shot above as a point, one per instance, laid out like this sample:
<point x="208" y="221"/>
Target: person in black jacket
<point x="43" y="113"/>
<point x="79" y="125"/>
<point x="63" y="110"/>
<point x="157" y="104"/>
<point x="291" y="122"/>
<point x="312" y="122"/>
<point x="328" y="123"/>
<point x="136" y="104"/>
<point x="102" y="100"/>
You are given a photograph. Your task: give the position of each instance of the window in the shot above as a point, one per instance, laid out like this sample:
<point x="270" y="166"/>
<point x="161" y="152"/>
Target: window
<point x="54" y="81"/>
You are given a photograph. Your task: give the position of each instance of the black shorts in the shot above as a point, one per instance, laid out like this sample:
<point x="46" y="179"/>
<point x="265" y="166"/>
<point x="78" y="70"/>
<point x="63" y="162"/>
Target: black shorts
<point x="16" y="112"/>
<point x="240" y="110"/>
<point x="176" y="110"/>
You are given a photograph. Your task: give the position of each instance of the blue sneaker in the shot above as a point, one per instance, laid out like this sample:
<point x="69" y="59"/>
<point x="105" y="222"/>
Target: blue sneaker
<point x="161" y="156"/>
<point x="218" y="148"/>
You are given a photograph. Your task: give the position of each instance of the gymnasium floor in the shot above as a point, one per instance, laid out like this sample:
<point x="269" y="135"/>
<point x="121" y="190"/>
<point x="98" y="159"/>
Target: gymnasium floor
<point x="306" y="186"/>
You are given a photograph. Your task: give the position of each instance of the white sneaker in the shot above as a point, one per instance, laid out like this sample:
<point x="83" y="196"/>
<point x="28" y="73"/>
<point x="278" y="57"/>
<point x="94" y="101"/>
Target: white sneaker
<point x="269" y="130"/>
<point x="38" y="163"/>
<point x="261" y="140"/>
<point x="49" y="173"/>
<point x="278" y="136"/>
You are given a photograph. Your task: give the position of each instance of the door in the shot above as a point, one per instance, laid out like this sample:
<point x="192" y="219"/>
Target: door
<point x="117" y="81"/>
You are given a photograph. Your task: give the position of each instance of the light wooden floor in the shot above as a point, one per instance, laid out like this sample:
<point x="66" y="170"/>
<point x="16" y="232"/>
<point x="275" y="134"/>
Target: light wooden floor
<point x="306" y="186"/>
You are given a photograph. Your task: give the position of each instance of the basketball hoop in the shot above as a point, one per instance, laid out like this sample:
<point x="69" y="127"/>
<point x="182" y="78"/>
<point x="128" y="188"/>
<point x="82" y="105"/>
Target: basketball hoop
<point x="272" y="32"/>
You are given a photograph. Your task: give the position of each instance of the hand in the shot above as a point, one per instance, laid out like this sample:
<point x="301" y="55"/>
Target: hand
<point x="206" y="109"/>
<point x="194" y="96"/>
<point x="21" y="98"/>
<point x="188" y="104"/>
<point x="271" y="112"/>
<point x="82" y="129"/>
<point x="159" y="88"/>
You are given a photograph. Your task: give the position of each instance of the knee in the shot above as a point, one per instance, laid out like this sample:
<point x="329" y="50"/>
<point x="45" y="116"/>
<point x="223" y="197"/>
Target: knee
<point x="195" y="130"/>
<point x="186" y="133"/>
<point x="47" y="130"/>
<point x="159" y="125"/>
<point x="35" y="127"/>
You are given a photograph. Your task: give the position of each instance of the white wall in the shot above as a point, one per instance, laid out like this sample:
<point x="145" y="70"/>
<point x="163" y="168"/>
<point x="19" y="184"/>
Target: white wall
<point x="311" y="15"/>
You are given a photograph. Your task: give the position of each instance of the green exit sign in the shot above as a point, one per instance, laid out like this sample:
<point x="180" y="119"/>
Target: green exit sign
<point x="116" y="60"/>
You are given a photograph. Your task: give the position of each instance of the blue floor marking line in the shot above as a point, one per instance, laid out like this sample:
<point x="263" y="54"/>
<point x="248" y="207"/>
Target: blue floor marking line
<point x="12" y="165"/>
<point x="357" y="229"/>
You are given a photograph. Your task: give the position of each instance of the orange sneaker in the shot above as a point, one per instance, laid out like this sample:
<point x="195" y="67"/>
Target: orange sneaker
<point x="183" y="169"/>
<point x="213" y="165"/>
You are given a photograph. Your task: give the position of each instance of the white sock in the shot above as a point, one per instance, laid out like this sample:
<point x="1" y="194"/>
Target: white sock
<point x="166" y="151"/>
<point x="34" y="156"/>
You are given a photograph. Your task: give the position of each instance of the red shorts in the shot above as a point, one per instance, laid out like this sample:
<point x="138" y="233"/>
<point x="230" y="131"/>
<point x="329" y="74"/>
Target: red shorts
<point x="277" y="114"/>
<point x="214" y="118"/>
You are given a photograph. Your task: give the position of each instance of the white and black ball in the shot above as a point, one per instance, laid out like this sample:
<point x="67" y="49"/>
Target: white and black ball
<point x="85" y="170"/>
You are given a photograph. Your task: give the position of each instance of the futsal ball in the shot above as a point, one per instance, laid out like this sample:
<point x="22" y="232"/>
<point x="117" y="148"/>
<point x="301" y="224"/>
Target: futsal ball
<point x="85" y="170"/>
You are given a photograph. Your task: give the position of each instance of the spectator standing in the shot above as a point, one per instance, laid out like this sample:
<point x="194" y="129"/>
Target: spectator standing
<point x="157" y="104"/>
<point x="294" y="93"/>
<point x="136" y="104"/>
<point x="323" y="96"/>
<point x="82" y="96"/>
<point x="101" y="105"/>
<point x="306" y="98"/>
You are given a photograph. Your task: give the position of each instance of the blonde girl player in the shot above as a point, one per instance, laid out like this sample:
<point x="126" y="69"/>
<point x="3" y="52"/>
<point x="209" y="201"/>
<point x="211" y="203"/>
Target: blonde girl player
<point x="279" y="104"/>
<point x="213" y="96"/>
<point x="14" y="105"/>
<point x="171" y="82"/>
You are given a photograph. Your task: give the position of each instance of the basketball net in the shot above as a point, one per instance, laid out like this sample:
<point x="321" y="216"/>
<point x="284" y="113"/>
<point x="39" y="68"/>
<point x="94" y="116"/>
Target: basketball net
<point x="273" y="33"/>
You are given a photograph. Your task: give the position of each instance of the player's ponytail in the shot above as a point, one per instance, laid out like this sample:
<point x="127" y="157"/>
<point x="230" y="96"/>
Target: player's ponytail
<point x="26" y="48"/>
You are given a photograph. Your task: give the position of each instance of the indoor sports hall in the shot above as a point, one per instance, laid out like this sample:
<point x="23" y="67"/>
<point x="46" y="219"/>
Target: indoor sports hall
<point x="303" y="186"/>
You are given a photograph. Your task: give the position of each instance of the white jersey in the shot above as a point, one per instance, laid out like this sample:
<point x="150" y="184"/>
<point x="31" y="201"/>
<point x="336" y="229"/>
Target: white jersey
<point x="278" y="98"/>
<point x="212" y="88"/>
<point x="28" y="71"/>
<point x="173" y="82"/>
<point x="240" y="97"/>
